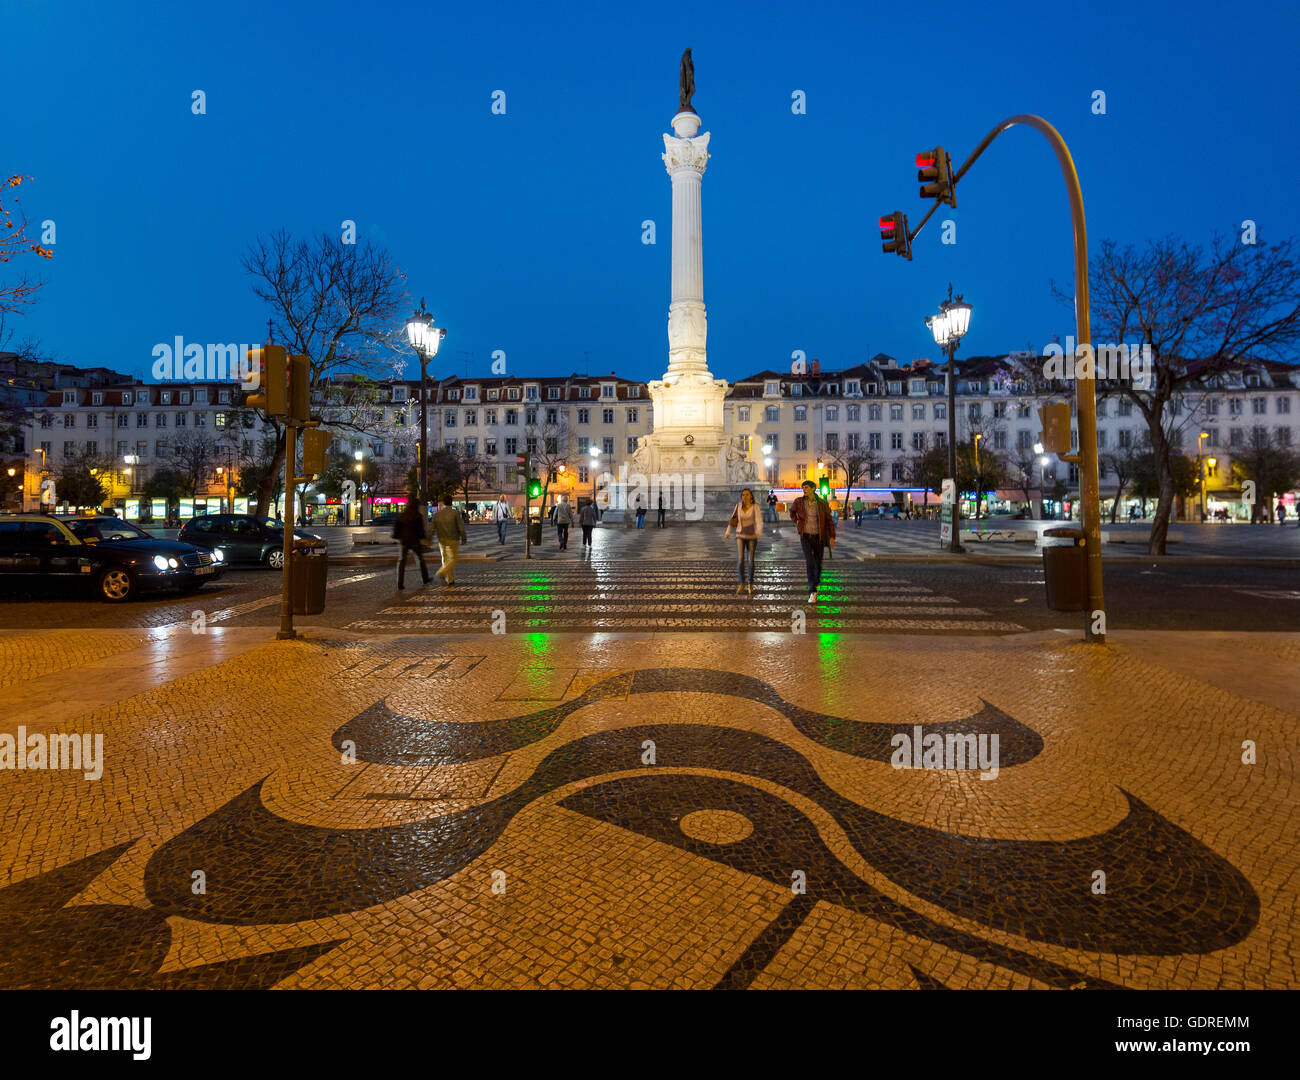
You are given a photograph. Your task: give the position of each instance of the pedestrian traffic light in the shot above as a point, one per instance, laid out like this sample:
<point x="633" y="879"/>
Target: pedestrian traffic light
<point x="893" y="230"/>
<point x="534" y="487"/>
<point x="272" y="364"/>
<point x="315" y="443"/>
<point x="934" y="170"/>
<point x="824" y="487"/>
<point x="300" y="388"/>
<point x="1055" y="418"/>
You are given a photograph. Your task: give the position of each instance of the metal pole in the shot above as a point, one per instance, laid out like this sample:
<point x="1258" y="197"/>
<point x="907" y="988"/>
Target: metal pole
<point x="286" y="596"/>
<point x="954" y="541"/>
<point x="424" y="431"/>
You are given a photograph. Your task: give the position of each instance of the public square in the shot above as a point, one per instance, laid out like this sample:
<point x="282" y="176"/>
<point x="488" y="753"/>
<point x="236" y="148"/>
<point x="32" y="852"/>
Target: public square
<point x="559" y="498"/>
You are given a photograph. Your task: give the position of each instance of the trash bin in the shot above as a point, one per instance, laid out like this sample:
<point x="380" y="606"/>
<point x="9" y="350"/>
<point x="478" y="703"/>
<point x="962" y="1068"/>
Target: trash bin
<point x="535" y="533"/>
<point x="1065" y="570"/>
<point x="307" y="572"/>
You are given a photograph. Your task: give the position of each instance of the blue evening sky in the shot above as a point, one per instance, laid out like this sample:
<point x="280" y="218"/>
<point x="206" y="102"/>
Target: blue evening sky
<point x="523" y="231"/>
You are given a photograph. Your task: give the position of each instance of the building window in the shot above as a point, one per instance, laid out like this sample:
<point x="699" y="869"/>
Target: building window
<point x="530" y="444"/>
<point x="449" y="418"/>
<point x="552" y="393"/>
<point x="772" y="389"/>
<point x="634" y="391"/>
<point x="940" y="410"/>
<point x="801" y="414"/>
<point x="141" y="420"/>
<point x="1259" y="406"/>
<point x="126" y="397"/>
<point x="1234" y="406"/>
<point x="918" y="440"/>
<point x="852" y="387"/>
<point x="895" y="412"/>
<point x="634" y="414"/>
<point x="1284" y="435"/>
<point x="918" y="412"/>
<point x="471" y="393"/>
<point x="69" y="448"/>
<point x="160" y="419"/>
<point x="974" y="410"/>
<point x="530" y="417"/>
<point x="742" y="414"/>
<point x="606" y="416"/>
<point x="1000" y="410"/>
<point x="490" y="417"/>
<point x="607" y="445"/>
<point x="69" y="420"/>
<point x="832" y="412"/>
<point x="160" y="448"/>
<point x="854" y="413"/>
<point x="584" y="416"/>
<point x="771" y="414"/>
<point x="97" y="399"/>
<point x="490" y="447"/>
<point x="584" y="444"/>
<point x="873" y="412"/>
<point x="607" y="390"/>
<point x="896" y="472"/>
<point x="494" y="393"/>
<point x="1025" y="439"/>
<point x="512" y="418"/>
<point x="512" y="393"/>
<point x="453" y="395"/>
<point x="895" y="386"/>
<point x="1125" y="437"/>
<point x="800" y="441"/>
<point x="796" y="389"/>
<point x="471" y="447"/>
<point x="853" y="440"/>
<point x="999" y="440"/>
<point x="92" y="420"/>
<point x="530" y="393"/>
<point x="832" y="441"/>
<point x="180" y="419"/>
<point x="774" y="442"/>
<point x="801" y="473"/>
<point x="873" y="440"/>
<point x="200" y="397"/>
<point x="512" y="446"/>
<point x="895" y="440"/>
<point x="1283" y="405"/>
<point x="471" y="417"/>
<point x="223" y="397"/>
<point x="185" y="397"/>
<point x="584" y="391"/>
<point x="631" y="445"/>
<point x="1234" y="437"/>
<point x="940" y="439"/>
<point x="200" y="419"/>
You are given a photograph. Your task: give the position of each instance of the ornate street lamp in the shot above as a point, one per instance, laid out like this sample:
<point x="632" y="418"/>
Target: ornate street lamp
<point x="948" y="328"/>
<point x="425" y="339"/>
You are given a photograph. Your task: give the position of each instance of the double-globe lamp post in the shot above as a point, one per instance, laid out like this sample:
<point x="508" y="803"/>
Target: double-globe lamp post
<point x="425" y="339"/>
<point x="948" y="328"/>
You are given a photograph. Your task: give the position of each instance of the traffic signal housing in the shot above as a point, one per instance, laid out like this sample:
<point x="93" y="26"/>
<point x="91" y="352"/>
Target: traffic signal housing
<point x="315" y="443"/>
<point x="893" y="230"/>
<point x="534" y="487"/>
<point x="272" y="399"/>
<point x="934" y="171"/>
<point x="1055" y="418"/>
<point x="300" y="388"/>
<point x="824" y="487"/>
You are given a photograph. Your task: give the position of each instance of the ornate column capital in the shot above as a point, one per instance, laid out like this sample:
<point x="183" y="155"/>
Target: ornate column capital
<point x="686" y="153"/>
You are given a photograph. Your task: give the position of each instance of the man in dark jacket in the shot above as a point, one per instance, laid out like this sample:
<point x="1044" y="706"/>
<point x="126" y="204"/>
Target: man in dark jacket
<point x="409" y="531"/>
<point x="816" y="525"/>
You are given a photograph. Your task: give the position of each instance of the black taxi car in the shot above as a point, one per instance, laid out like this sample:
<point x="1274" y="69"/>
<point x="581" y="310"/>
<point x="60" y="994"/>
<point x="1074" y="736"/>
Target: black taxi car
<point x="118" y="559"/>
<point x="241" y="538"/>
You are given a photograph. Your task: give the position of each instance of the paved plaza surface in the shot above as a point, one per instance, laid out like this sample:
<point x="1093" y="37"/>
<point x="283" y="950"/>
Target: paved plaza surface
<point x="650" y="810"/>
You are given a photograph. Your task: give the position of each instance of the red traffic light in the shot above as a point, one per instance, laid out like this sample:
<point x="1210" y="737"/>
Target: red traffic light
<point x="893" y="230"/>
<point x="887" y="224"/>
<point x="924" y="161"/>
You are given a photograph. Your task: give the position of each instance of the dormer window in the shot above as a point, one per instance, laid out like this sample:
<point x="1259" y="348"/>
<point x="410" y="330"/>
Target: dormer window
<point x="70" y="397"/>
<point x="634" y="391"/>
<point x="165" y="397"/>
<point x="97" y="399"/>
<point x="1252" y="380"/>
<point x="399" y="393"/>
<point x="896" y="387"/>
<point x="772" y="389"/>
<point x="796" y="389"/>
<point x="512" y="393"/>
<point x="494" y="394"/>
<point x="126" y="397"/>
<point x="936" y="388"/>
<point x="453" y="395"/>
<point x="471" y="393"/>
<point x="853" y="387"/>
<point x="185" y="397"/>
<point x="530" y="393"/>
<point x="584" y="391"/>
<point x="917" y="386"/>
<point x="832" y="389"/>
<point x="552" y="393"/>
<point x="223" y="397"/>
<point x="871" y="388"/>
<point x="607" y="390"/>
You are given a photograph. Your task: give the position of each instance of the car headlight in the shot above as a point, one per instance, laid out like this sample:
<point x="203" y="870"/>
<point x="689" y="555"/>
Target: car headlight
<point x="174" y="563"/>
<point x="160" y="561"/>
<point x="218" y="555"/>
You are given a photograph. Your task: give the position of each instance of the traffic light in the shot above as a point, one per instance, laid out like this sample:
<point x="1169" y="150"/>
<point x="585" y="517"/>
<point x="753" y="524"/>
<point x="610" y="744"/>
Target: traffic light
<point x="315" y="443"/>
<point x="534" y="487"/>
<point x="273" y="365"/>
<point x="893" y="230"/>
<point x="1055" y="418"/>
<point x="934" y="170"/>
<point x="824" y="487"/>
<point x="300" y="387"/>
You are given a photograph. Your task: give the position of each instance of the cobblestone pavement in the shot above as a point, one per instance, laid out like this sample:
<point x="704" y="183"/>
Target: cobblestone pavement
<point x="651" y="810"/>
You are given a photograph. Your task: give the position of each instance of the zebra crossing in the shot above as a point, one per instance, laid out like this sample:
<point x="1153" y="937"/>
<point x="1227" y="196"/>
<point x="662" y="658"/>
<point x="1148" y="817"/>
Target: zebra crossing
<point x="620" y="597"/>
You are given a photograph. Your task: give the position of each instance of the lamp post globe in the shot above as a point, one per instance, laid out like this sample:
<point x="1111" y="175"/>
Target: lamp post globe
<point x="425" y="339"/>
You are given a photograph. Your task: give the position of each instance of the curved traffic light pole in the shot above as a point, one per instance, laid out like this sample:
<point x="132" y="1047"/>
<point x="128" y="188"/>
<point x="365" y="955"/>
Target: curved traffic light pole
<point x="1085" y="388"/>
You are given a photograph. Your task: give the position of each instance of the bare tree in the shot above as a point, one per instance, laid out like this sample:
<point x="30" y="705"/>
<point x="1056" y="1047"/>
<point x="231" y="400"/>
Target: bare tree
<point x="855" y="462"/>
<point x="14" y="242"/>
<point x="552" y="445"/>
<point x="1201" y="311"/>
<point x="338" y="304"/>
<point x="195" y="454"/>
<point x="1124" y="464"/>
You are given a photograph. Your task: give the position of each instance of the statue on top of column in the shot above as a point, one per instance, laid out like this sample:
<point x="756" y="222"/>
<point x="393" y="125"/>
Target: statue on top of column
<point x="688" y="81"/>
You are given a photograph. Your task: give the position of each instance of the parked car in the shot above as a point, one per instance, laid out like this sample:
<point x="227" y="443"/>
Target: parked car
<point x="117" y="558"/>
<point x="383" y="521"/>
<point x="241" y="538"/>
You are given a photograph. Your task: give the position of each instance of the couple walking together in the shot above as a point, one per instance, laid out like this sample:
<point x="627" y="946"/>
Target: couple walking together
<point x="449" y="528"/>
<point x="812" y="517"/>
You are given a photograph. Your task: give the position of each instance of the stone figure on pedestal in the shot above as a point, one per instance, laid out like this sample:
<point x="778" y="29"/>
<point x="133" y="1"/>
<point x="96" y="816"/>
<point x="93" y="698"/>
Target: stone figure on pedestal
<point x="740" y="470"/>
<point x="688" y="81"/>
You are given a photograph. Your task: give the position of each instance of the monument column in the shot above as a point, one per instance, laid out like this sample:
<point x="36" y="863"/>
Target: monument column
<point x="685" y="158"/>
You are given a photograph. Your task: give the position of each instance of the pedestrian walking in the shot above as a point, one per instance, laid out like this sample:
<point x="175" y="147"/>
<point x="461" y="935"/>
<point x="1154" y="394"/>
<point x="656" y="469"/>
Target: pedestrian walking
<point x="772" y="501"/>
<point x="661" y="520"/>
<point x="587" y="518"/>
<point x="563" y="519"/>
<point x="747" y="520"/>
<point x="640" y="513"/>
<point x="812" y="517"/>
<point x="449" y="530"/>
<point x="502" y="513"/>
<point x="409" y="531"/>
<point x="857" y="511"/>
<point x="1281" y="513"/>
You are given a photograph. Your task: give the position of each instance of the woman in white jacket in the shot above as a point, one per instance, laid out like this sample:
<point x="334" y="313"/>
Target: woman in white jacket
<point x="747" y="520"/>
